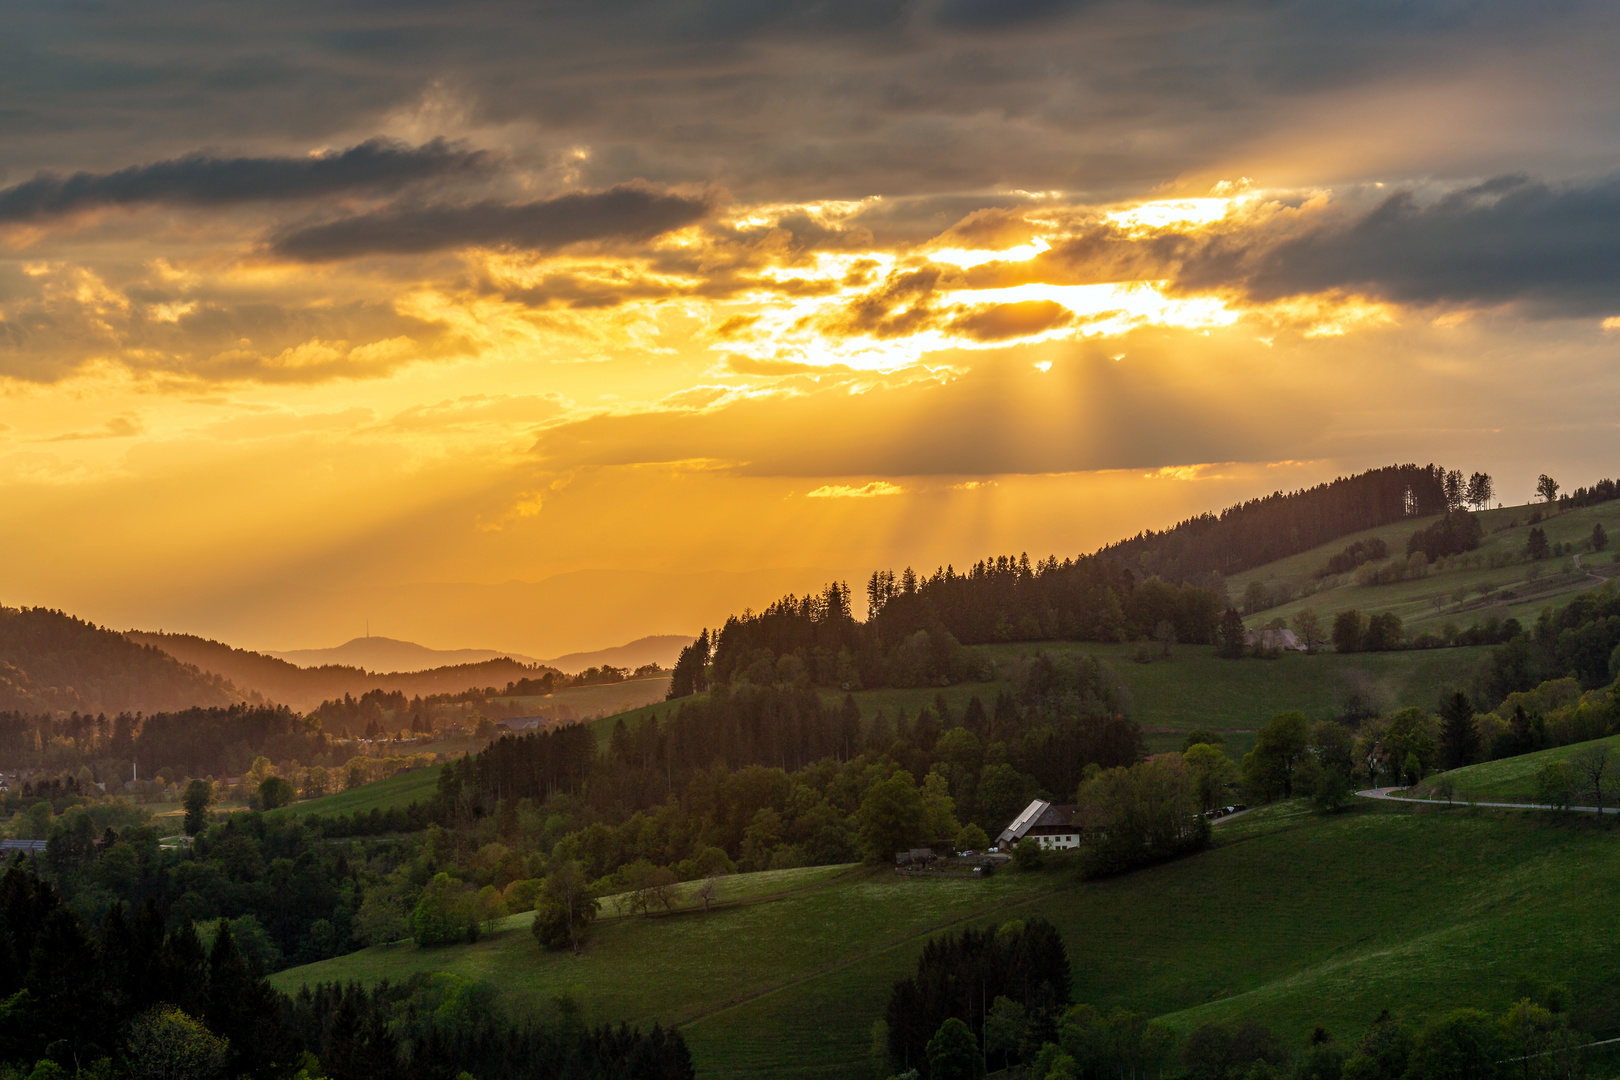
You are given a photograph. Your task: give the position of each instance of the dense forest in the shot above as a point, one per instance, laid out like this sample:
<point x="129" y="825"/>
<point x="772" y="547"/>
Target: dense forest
<point x="52" y="661"/>
<point x="187" y="742"/>
<point x="919" y="630"/>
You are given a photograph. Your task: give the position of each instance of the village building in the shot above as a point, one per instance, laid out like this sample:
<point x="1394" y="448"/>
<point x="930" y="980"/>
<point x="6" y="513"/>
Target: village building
<point x="1052" y="825"/>
<point x="1274" y="640"/>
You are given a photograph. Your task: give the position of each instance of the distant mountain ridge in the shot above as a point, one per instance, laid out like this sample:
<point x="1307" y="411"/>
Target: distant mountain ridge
<point x="391" y="654"/>
<point x="274" y="679"/>
<point x="660" y="649"/>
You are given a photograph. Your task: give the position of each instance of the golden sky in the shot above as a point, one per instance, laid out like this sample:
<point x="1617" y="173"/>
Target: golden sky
<point x="545" y="327"/>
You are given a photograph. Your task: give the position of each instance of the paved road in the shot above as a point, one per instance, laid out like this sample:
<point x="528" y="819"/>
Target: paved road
<point x="1385" y="793"/>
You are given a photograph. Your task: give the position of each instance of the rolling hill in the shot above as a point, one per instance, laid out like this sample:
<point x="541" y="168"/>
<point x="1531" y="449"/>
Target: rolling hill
<point x="389" y="654"/>
<point x="285" y="683"/>
<point x="1463" y="590"/>
<point x="1291" y="919"/>
<point x="53" y="662"/>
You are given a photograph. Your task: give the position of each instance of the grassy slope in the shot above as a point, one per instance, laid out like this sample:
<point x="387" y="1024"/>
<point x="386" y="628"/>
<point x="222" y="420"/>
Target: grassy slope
<point x="1197" y="689"/>
<point x="601" y="700"/>
<point x="402" y="790"/>
<point x="1414" y="601"/>
<point x="1294" y="919"/>
<point x="1512" y="779"/>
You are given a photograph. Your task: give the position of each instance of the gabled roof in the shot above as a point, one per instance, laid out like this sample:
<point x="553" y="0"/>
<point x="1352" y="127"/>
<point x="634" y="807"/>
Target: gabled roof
<point x="1022" y="823"/>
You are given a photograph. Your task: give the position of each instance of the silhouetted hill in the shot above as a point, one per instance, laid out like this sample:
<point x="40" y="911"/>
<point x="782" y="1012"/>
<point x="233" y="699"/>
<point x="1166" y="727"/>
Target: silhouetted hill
<point x="391" y="654"/>
<point x="660" y="649"/>
<point x="51" y="661"/>
<point x="305" y="688"/>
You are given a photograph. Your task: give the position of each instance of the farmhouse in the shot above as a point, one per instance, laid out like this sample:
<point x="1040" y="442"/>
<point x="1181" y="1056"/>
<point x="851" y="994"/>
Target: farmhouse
<point x="1274" y="640"/>
<point x="1052" y="825"/>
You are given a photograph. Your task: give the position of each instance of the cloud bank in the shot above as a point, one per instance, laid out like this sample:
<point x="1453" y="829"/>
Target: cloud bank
<point x="631" y="211"/>
<point x="199" y="180"/>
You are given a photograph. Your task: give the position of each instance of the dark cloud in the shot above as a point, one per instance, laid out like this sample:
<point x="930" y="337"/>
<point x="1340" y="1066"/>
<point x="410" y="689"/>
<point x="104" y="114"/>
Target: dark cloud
<point x="776" y="99"/>
<point x="375" y="165"/>
<point x="1555" y="248"/>
<point x="626" y="211"/>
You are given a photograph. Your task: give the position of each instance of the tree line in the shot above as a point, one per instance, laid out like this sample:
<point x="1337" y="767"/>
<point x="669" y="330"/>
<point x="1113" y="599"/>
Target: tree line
<point x="193" y="742"/>
<point x="919" y="631"/>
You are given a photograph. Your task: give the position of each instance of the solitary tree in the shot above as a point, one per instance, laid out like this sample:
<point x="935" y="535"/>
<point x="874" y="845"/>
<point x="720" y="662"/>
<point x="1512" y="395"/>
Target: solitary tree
<point x="564" y="909"/>
<point x="1600" y="539"/>
<point x="198" y="797"/>
<point x="1279" y="748"/>
<point x="1547" y="488"/>
<point x="1308" y="628"/>
<point x="1591" y="771"/>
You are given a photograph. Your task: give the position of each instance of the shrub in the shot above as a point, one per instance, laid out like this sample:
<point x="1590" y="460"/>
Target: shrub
<point x="1028" y="854"/>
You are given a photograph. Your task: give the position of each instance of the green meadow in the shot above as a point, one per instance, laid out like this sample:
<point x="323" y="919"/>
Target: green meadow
<point x="401" y="789"/>
<point x="1512" y="779"/>
<point x="1291" y="918"/>
<point x="1517" y="590"/>
<point x="1195" y="688"/>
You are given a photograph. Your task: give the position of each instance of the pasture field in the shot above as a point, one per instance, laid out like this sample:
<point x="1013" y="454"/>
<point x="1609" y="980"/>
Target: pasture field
<point x="603" y="699"/>
<point x="1429" y="602"/>
<point x="1195" y="688"/>
<point x="400" y="790"/>
<point x="1512" y="779"/>
<point x="1291" y="918"/>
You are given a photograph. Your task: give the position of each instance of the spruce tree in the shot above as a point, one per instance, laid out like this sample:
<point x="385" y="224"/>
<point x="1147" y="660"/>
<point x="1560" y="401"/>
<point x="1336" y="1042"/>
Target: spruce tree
<point x="1459" y="737"/>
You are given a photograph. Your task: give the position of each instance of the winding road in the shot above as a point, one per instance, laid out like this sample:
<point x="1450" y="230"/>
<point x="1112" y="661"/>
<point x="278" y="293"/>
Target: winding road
<point x="1385" y="793"/>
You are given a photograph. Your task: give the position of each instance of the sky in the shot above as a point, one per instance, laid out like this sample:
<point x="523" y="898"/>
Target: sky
<point x="545" y="326"/>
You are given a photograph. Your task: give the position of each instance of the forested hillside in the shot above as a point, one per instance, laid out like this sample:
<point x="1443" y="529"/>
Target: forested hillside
<point x="1262" y="530"/>
<point x="917" y="628"/>
<point x="51" y="661"/>
<point x="305" y="688"/>
<point x="1168" y="586"/>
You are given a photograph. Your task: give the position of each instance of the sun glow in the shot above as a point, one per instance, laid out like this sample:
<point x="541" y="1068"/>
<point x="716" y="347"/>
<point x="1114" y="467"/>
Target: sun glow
<point x="966" y="258"/>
